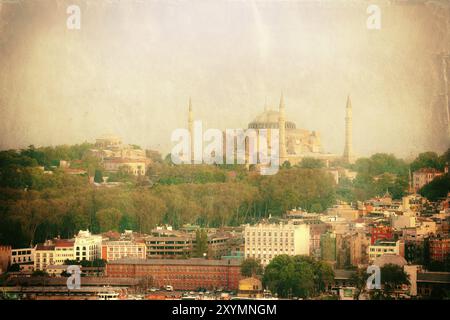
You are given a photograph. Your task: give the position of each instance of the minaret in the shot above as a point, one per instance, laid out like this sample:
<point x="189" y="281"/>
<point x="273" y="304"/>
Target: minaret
<point x="410" y="189"/>
<point x="282" y="128"/>
<point x="191" y="128"/>
<point x="348" y="150"/>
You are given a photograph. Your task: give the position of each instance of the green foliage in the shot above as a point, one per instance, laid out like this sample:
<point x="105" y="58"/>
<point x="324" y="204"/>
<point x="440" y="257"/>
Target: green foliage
<point x="98" y="177"/>
<point x="35" y="205"/>
<point x="299" y="276"/>
<point x="62" y="204"/>
<point x="169" y="175"/>
<point x="153" y="155"/>
<point x="378" y="174"/>
<point x="127" y="223"/>
<point x="345" y="190"/>
<point x="39" y="273"/>
<point x="251" y="267"/>
<point x="311" y="163"/>
<point x="381" y="163"/>
<point x="201" y="243"/>
<point x="98" y="263"/>
<point x="109" y="219"/>
<point x="316" y="207"/>
<point x="294" y="188"/>
<point x="392" y="278"/>
<point x="122" y="175"/>
<point x="14" y="267"/>
<point x="359" y="278"/>
<point x="428" y="160"/>
<point x="436" y="189"/>
<point x="286" y="165"/>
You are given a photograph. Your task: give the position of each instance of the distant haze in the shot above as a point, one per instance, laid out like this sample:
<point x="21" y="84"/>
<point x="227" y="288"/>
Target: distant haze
<point x="132" y="67"/>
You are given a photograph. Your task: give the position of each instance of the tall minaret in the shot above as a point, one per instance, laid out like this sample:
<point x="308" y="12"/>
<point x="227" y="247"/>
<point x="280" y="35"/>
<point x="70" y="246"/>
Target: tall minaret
<point x="348" y="150"/>
<point x="410" y="189"/>
<point x="191" y="128"/>
<point x="282" y="128"/>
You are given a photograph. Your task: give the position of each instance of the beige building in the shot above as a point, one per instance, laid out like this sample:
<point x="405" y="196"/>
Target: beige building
<point x="266" y="241"/>
<point x="137" y="167"/>
<point x="116" y="155"/>
<point x="53" y="252"/>
<point x="424" y="176"/>
<point x="114" y="250"/>
<point x="64" y="250"/>
<point x="425" y="227"/>
<point x="56" y="270"/>
<point x="344" y="211"/>
<point x="44" y="255"/>
<point x="250" y="288"/>
<point x="359" y="243"/>
<point x="406" y="220"/>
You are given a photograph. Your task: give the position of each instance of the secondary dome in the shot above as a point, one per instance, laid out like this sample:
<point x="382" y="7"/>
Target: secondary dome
<point x="269" y="120"/>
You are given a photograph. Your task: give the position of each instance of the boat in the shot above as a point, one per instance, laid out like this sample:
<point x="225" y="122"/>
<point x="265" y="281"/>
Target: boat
<point x="108" y="294"/>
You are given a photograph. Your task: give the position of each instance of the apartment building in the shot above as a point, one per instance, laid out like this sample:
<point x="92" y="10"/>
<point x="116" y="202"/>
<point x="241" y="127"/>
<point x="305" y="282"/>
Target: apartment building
<point x="22" y="256"/>
<point x="64" y="250"/>
<point x="44" y="256"/>
<point x="120" y="249"/>
<point x="380" y="248"/>
<point x="266" y="241"/>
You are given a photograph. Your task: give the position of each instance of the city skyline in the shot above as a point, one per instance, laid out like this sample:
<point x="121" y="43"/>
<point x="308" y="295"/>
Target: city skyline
<point x="128" y="71"/>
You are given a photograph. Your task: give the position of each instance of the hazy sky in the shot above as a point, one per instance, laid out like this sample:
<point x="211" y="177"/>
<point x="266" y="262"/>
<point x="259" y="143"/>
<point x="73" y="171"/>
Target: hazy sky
<point x="133" y="65"/>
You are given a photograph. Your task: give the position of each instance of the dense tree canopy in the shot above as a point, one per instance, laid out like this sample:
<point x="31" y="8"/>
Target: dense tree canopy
<point x="297" y="276"/>
<point x="36" y="204"/>
<point x="251" y="267"/>
<point x="436" y="189"/>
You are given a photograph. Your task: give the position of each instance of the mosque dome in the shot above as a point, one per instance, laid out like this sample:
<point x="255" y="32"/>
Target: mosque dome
<point x="269" y="120"/>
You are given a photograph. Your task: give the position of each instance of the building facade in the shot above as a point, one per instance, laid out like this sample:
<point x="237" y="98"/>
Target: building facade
<point x="424" y="176"/>
<point x="439" y="249"/>
<point x="386" y="247"/>
<point x="115" y="250"/>
<point x="44" y="256"/>
<point x="87" y="246"/>
<point x="5" y="254"/>
<point x="182" y="274"/>
<point x="21" y="256"/>
<point x="266" y="241"/>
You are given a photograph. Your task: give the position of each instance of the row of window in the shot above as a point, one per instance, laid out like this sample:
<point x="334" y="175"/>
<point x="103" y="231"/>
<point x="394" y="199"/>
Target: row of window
<point x="159" y="269"/>
<point x="269" y="233"/>
<point x="21" y="252"/>
<point x="381" y="250"/>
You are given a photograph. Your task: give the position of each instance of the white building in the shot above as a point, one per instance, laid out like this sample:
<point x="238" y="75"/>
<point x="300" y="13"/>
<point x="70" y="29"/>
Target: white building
<point x="386" y="247"/>
<point x="87" y="246"/>
<point x="266" y="241"/>
<point x="407" y="220"/>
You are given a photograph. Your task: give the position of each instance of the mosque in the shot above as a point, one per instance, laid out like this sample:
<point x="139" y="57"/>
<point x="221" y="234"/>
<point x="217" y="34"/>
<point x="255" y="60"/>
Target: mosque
<point x="296" y="143"/>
